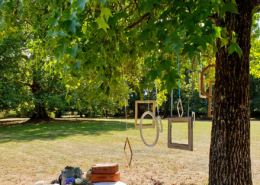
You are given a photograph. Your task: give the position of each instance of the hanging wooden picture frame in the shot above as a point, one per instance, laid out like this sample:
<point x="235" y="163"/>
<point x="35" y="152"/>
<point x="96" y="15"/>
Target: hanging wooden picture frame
<point x="202" y="81"/>
<point x="180" y="146"/>
<point x="136" y="112"/>
<point x="210" y="99"/>
<point x="180" y="103"/>
<point x="128" y="161"/>
<point x="203" y="86"/>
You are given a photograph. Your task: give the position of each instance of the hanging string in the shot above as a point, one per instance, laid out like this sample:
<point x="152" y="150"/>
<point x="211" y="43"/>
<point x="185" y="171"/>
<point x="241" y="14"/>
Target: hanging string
<point x="188" y="95"/>
<point x="192" y="82"/>
<point x="148" y="95"/>
<point x="179" y="102"/>
<point x="158" y="118"/>
<point x="157" y="98"/>
<point x="125" y="101"/>
<point x="147" y="87"/>
<point x="171" y="103"/>
<point x="125" y="117"/>
<point x="179" y="78"/>
<point x="193" y="99"/>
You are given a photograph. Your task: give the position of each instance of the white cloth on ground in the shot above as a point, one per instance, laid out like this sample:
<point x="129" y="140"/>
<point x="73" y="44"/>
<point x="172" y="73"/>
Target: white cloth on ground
<point x="110" y="183"/>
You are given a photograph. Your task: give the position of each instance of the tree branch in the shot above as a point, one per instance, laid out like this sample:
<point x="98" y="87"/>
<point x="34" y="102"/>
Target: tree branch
<point x="258" y="10"/>
<point x="256" y="3"/>
<point x="214" y="17"/>
<point x="25" y="57"/>
<point x="139" y="21"/>
<point x="24" y="83"/>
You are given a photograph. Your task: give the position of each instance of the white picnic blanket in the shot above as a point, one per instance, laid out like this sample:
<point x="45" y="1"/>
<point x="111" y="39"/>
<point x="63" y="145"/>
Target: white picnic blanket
<point x="110" y="183"/>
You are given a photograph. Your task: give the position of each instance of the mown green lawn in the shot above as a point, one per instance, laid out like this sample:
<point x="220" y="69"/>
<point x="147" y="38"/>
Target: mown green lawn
<point x="33" y="152"/>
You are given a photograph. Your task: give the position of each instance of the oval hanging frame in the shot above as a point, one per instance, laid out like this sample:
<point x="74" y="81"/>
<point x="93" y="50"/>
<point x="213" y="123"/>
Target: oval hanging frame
<point x="157" y="129"/>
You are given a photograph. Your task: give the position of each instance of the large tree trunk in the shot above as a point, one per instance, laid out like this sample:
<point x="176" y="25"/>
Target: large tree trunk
<point x="230" y="161"/>
<point x="40" y="110"/>
<point x="40" y="113"/>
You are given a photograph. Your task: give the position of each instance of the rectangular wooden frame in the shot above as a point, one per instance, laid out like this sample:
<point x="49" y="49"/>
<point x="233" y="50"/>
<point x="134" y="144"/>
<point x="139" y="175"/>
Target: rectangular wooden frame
<point x="210" y="99"/>
<point x="188" y="146"/>
<point x="136" y="112"/>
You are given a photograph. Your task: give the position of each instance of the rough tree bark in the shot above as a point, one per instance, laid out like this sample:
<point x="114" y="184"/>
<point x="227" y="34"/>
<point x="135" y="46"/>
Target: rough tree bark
<point x="230" y="161"/>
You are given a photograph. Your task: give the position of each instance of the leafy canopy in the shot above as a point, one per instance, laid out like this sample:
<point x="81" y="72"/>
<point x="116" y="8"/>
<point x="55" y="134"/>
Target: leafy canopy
<point x="103" y="43"/>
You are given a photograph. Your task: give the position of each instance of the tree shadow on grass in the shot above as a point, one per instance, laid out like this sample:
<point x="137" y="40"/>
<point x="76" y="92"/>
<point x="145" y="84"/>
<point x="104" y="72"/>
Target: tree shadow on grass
<point x="54" y="130"/>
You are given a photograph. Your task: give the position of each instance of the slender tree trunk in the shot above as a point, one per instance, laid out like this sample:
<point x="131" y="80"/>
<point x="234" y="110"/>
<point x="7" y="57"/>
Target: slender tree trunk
<point x="58" y="114"/>
<point x="230" y="161"/>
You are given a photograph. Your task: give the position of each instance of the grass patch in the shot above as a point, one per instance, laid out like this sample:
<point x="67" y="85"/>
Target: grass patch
<point x="33" y="152"/>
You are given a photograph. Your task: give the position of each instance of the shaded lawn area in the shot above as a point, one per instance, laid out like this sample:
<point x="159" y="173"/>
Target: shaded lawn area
<point x="33" y="152"/>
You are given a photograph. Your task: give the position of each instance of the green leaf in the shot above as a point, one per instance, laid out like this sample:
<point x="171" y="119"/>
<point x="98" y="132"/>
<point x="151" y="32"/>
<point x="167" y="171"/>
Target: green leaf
<point x="217" y="31"/>
<point x="224" y="32"/>
<point x="77" y="65"/>
<point x="73" y="16"/>
<point x="224" y="41"/>
<point x="255" y="10"/>
<point x="153" y="74"/>
<point x="191" y="52"/>
<point x="101" y="34"/>
<point x="111" y="32"/>
<point x="103" y="1"/>
<point x="107" y="13"/>
<point x="102" y="24"/>
<point x="171" y="80"/>
<point x="2" y="26"/>
<point x="150" y="46"/>
<point x="150" y="4"/>
<point x="177" y="46"/>
<point x="235" y="47"/>
<point x="80" y="4"/>
<point x="121" y="15"/>
<point x="114" y="1"/>
<point x="166" y="65"/>
<point x="52" y="22"/>
<point x="72" y="51"/>
<point x="229" y="7"/>
<point x="116" y="73"/>
<point x="167" y="40"/>
<point x="145" y="34"/>
<point x="72" y="26"/>
<point x="200" y="41"/>
<point x="59" y="34"/>
<point x="234" y="38"/>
